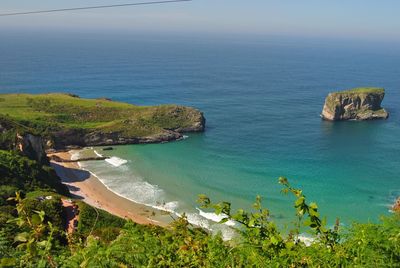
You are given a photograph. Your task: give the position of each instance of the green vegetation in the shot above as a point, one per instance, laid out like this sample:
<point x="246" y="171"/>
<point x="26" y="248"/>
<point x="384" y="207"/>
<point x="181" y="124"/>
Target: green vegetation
<point x="48" y="114"/>
<point x="363" y="90"/>
<point x="98" y="222"/>
<point x="27" y="175"/>
<point x="33" y="220"/>
<point x="32" y="235"/>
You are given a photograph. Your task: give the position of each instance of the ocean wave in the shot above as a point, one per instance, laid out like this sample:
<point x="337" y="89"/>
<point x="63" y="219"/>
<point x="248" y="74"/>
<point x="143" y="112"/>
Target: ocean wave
<point x="198" y="220"/>
<point x="125" y="184"/>
<point x="75" y="154"/>
<point x="202" y="221"/>
<point x="96" y="153"/>
<point x="116" y="161"/>
<point x="306" y="240"/>
<point x="168" y="207"/>
<point x="215" y="218"/>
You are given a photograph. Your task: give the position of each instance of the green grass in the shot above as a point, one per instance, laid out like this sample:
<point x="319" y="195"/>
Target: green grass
<point x="64" y="111"/>
<point x="363" y="90"/>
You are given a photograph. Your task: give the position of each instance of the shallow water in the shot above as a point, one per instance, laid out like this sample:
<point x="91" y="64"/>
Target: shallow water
<point x="262" y="101"/>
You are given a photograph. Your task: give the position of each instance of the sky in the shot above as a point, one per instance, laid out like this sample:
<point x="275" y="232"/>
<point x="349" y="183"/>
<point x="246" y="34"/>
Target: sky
<point x="362" y="19"/>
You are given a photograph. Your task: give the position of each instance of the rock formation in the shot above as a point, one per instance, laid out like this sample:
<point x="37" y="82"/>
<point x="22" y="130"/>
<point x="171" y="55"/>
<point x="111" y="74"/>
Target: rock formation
<point x="355" y="104"/>
<point x="31" y="146"/>
<point x="66" y="121"/>
<point x="56" y="158"/>
<point x="396" y="206"/>
<point x="80" y="138"/>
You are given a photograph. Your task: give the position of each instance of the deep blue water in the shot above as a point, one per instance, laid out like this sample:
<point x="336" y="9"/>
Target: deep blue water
<point x="262" y="101"/>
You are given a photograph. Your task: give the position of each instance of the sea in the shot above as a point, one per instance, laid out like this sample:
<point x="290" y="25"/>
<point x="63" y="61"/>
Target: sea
<point x="262" y="98"/>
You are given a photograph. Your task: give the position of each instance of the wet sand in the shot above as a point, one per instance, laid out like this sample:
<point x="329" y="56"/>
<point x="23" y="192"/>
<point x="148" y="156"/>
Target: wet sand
<point x="88" y="188"/>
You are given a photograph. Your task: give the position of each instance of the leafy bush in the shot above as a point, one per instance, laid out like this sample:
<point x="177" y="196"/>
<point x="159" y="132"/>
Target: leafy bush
<point x="96" y="220"/>
<point x="27" y="175"/>
<point x="6" y="191"/>
<point x="51" y="207"/>
<point x="104" y="240"/>
<point x="107" y="234"/>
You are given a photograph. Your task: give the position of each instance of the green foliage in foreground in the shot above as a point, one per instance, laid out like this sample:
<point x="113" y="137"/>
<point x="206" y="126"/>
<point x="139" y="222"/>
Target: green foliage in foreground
<point x="98" y="222"/>
<point x="258" y="244"/>
<point x="31" y="235"/>
<point x="18" y="172"/>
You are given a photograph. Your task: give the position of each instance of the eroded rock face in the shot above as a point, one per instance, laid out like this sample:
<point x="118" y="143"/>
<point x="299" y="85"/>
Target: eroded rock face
<point x="396" y="206"/>
<point x="90" y="137"/>
<point x="31" y="146"/>
<point x="197" y="119"/>
<point x="355" y="104"/>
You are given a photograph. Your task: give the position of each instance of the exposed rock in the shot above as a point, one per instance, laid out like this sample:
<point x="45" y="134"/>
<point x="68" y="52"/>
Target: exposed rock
<point x="355" y="104"/>
<point x="83" y="138"/>
<point x="196" y="117"/>
<point x="396" y="206"/>
<point x="98" y="123"/>
<point x="56" y="158"/>
<point x="31" y="146"/>
<point x="77" y="138"/>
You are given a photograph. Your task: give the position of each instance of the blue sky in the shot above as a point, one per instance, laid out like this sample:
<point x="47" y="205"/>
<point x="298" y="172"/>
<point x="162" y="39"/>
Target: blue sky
<point x="364" y="19"/>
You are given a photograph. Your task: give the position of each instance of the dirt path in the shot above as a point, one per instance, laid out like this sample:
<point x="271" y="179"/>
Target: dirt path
<point x="72" y="215"/>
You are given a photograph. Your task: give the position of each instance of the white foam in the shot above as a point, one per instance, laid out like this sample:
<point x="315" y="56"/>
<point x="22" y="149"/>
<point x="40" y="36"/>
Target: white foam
<point x="306" y="240"/>
<point x="127" y="185"/>
<point x="144" y="192"/>
<point x="99" y="155"/>
<point x="185" y="137"/>
<point x="75" y="155"/>
<point x="116" y="161"/>
<point x="197" y="220"/>
<point x="215" y="218"/>
<point x="169" y="207"/>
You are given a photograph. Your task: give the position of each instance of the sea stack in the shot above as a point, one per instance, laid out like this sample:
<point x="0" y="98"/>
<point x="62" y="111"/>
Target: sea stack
<point x="355" y="104"/>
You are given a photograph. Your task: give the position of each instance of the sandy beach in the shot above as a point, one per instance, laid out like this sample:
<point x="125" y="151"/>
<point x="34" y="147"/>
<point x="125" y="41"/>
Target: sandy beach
<point x="88" y="188"/>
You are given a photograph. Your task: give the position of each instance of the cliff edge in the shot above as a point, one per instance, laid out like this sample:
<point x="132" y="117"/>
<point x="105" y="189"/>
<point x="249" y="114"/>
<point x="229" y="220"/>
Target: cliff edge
<point x="65" y="120"/>
<point x="355" y="104"/>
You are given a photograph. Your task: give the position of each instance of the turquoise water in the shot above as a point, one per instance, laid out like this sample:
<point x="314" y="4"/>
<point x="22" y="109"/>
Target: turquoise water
<point x="262" y="100"/>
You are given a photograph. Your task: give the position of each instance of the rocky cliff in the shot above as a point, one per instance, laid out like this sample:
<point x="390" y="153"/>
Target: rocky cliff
<point x="82" y="138"/>
<point x="31" y="146"/>
<point x="396" y="206"/>
<point x="355" y="104"/>
<point x="65" y="121"/>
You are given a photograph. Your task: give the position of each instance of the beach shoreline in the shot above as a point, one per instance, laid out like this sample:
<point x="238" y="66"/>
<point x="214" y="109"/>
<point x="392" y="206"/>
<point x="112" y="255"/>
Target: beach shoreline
<point x="86" y="187"/>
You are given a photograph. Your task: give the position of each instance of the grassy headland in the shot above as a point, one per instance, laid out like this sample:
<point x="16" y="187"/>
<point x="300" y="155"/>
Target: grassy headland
<point x="362" y="90"/>
<point x="97" y="121"/>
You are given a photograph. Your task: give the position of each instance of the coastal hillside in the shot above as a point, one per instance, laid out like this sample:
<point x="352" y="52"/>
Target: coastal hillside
<point x="65" y="120"/>
<point x="34" y="232"/>
<point x="43" y="225"/>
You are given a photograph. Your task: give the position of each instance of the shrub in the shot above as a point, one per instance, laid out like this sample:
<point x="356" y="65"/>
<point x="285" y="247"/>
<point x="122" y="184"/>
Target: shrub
<point x="92" y="219"/>
<point x="6" y="191"/>
<point x="28" y="175"/>
<point x="52" y="208"/>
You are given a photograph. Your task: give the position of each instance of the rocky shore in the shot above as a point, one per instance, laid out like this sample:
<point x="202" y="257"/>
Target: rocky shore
<point x="396" y="206"/>
<point x="64" y="121"/>
<point x="58" y="159"/>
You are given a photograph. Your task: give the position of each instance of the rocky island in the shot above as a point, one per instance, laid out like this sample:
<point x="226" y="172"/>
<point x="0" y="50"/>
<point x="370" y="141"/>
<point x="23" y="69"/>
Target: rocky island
<point x="59" y="121"/>
<point x="355" y="104"/>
